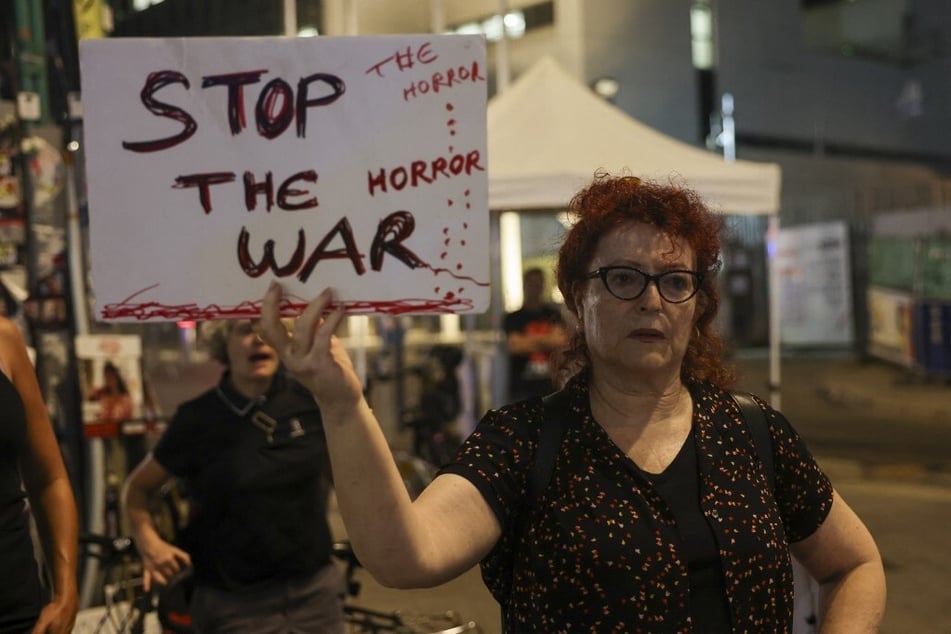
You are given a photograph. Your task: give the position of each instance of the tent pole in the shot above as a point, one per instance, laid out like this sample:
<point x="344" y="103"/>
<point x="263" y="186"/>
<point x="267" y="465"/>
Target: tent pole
<point x="772" y="240"/>
<point x="503" y="72"/>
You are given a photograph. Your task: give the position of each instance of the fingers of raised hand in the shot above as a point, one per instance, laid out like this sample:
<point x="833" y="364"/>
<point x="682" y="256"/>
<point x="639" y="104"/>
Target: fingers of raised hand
<point x="313" y="326"/>
<point x="270" y="326"/>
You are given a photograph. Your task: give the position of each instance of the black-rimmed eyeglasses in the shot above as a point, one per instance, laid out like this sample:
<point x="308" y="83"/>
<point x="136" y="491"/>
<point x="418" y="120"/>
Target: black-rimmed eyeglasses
<point x="626" y="282"/>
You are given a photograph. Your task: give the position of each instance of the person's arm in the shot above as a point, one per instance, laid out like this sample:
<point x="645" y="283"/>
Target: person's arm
<point x="161" y="560"/>
<point x="843" y="558"/>
<point x="527" y="343"/>
<point x="402" y="543"/>
<point x="123" y="408"/>
<point x="48" y="487"/>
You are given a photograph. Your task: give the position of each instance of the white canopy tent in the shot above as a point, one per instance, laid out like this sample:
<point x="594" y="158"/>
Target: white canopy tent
<point x="548" y="134"/>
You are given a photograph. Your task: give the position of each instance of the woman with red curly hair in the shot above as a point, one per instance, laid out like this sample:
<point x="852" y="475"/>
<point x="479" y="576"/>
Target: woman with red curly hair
<point x="658" y="515"/>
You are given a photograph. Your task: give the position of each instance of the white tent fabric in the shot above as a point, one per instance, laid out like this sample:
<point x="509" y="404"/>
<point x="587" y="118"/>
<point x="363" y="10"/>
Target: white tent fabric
<point x="548" y="134"/>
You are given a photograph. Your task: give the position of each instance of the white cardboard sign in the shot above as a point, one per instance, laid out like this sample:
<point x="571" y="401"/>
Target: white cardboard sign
<point x="215" y="165"/>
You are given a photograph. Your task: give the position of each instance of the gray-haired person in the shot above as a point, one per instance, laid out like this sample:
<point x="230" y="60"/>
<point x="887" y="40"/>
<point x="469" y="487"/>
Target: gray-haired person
<point x="251" y="454"/>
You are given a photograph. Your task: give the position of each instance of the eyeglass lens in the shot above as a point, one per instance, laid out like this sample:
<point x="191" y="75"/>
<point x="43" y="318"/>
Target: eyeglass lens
<point x="629" y="283"/>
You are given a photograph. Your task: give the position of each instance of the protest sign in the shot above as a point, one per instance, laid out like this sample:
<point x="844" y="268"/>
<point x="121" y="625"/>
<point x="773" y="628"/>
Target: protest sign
<point x="216" y="165"/>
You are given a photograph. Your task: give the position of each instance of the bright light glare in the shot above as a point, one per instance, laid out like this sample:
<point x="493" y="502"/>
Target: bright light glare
<point x="142" y="5"/>
<point x="513" y="25"/>
<point x="510" y="242"/>
<point x="493" y="28"/>
<point x="308" y="31"/>
<point x="469" y="28"/>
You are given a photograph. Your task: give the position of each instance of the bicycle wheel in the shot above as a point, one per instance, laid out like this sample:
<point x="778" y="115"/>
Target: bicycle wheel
<point x="128" y="609"/>
<point x="448" y="622"/>
<point x="416" y="473"/>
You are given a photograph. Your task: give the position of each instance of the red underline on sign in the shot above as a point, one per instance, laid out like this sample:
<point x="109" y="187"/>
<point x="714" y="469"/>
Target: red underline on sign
<point x="289" y="308"/>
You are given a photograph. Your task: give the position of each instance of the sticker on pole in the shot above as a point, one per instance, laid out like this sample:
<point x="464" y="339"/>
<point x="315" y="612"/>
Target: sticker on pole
<point x="216" y="165"/>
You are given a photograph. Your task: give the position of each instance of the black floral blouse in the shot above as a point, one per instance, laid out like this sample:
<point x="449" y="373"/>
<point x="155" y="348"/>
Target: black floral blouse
<point x="599" y="551"/>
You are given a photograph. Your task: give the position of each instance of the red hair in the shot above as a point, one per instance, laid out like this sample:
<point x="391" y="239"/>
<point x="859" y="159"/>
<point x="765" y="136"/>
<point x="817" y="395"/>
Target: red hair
<point x="611" y="201"/>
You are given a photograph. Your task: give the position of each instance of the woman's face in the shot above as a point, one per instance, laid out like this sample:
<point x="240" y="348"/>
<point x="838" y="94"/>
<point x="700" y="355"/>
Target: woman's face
<point x="250" y="358"/>
<point x="644" y="335"/>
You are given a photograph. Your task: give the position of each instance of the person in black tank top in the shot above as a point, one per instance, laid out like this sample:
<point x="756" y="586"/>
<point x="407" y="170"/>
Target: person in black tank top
<point x="28" y="444"/>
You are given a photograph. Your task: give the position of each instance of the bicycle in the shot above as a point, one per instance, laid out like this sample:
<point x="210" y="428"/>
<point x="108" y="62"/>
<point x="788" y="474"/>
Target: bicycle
<point x="127" y="608"/>
<point x="364" y="620"/>
<point x="438" y="405"/>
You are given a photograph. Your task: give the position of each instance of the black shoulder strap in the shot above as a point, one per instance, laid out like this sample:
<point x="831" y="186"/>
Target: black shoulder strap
<point x="553" y="428"/>
<point x="759" y="429"/>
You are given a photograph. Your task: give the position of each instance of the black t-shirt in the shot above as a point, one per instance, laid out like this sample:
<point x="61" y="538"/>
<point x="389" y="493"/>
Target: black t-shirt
<point x="257" y="477"/>
<point x="21" y="596"/>
<point x="530" y="374"/>
<point x="679" y="486"/>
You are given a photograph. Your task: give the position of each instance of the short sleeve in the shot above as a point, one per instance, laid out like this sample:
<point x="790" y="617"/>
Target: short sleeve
<point x="178" y="445"/>
<point x="803" y="491"/>
<point x="496" y="456"/>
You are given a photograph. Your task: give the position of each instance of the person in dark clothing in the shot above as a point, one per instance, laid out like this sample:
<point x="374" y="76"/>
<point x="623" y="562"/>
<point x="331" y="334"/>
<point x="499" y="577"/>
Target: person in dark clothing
<point x="251" y="455"/>
<point x="533" y="333"/>
<point x="33" y="480"/>
<point x="659" y="515"/>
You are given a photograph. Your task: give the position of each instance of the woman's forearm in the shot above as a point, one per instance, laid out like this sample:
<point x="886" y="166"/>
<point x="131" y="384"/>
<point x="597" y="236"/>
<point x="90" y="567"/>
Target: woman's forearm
<point x="855" y="603"/>
<point x="58" y="524"/>
<point x="135" y="501"/>
<point x="373" y="500"/>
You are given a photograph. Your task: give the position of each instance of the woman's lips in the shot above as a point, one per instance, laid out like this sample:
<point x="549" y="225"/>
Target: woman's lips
<point x="647" y="334"/>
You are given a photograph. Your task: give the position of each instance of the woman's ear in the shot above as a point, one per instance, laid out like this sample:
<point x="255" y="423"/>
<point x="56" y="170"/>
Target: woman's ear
<point x="703" y="302"/>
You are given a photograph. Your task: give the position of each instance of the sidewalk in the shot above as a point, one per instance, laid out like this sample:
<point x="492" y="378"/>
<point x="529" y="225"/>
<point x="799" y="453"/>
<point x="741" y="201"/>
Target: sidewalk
<point x="863" y="418"/>
<point x="843" y="379"/>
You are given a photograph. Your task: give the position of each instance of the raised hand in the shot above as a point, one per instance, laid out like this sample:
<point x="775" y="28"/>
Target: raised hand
<point x="311" y="352"/>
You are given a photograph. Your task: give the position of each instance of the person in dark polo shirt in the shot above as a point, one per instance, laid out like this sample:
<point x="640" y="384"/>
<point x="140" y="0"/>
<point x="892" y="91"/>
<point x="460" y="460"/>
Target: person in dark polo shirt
<point x="251" y="456"/>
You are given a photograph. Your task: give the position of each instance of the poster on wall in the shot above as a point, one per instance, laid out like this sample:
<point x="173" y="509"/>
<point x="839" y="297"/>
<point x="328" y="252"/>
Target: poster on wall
<point x="217" y="165"/>
<point x="890" y="319"/>
<point x="110" y="378"/>
<point x="815" y="285"/>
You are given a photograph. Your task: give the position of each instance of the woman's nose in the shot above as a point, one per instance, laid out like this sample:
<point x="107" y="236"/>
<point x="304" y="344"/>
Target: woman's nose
<point x="650" y="299"/>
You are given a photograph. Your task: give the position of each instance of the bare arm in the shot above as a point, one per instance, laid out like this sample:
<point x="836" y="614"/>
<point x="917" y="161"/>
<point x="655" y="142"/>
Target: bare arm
<point x="843" y="557"/>
<point x="161" y="560"/>
<point x="48" y="486"/>
<point x="402" y="543"/>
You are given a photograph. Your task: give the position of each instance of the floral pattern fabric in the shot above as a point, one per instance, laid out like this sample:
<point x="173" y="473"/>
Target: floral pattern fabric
<point x="600" y="551"/>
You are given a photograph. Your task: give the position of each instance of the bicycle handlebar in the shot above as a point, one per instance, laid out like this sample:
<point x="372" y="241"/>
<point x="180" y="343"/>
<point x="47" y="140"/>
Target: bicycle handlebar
<point x="111" y="547"/>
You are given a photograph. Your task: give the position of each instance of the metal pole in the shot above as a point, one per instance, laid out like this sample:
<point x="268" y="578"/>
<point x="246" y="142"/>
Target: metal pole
<point x="437" y="16"/>
<point x="290" y="18"/>
<point x="772" y="240"/>
<point x="502" y="67"/>
<point x="31" y="53"/>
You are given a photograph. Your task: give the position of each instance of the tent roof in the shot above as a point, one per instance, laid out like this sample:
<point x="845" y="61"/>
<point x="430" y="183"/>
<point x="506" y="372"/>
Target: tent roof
<point x="548" y="134"/>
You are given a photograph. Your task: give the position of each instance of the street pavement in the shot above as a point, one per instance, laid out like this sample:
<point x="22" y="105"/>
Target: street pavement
<point x="881" y="432"/>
